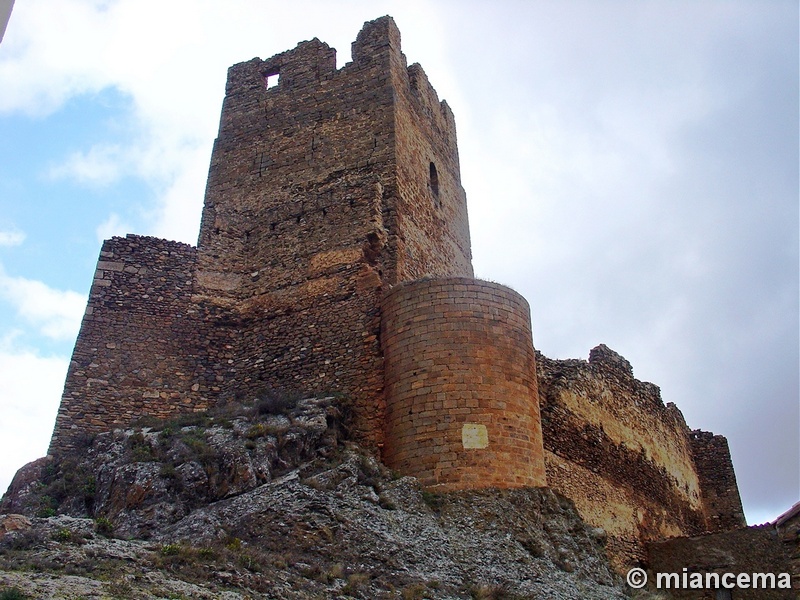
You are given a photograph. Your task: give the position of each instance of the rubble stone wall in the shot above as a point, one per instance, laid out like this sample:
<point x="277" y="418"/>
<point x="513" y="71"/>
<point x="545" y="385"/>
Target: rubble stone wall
<point x="618" y="451"/>
<point x="744" y="550"/>
<point x="137" y="348"/>
<point x="721" y="501"/>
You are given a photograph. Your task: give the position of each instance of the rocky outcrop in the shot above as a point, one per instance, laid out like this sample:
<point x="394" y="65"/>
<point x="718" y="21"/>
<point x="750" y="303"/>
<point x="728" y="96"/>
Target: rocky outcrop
<point x="147" y="477"/>
<point x="278" y="504"/>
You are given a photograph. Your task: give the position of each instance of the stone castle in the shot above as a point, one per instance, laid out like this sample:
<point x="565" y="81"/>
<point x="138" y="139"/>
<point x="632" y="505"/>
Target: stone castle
<point x="334" y="257"/>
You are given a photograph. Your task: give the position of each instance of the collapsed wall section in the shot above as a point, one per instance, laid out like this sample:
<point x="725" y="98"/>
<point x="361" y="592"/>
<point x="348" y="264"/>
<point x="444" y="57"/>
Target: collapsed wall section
<point x="136" y="351"/>
<point x="461" y="397"/>
<point x="615" y="449"/>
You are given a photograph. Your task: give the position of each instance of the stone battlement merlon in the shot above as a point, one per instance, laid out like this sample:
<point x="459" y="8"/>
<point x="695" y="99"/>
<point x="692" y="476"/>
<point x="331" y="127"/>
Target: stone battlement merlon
<point x="378" y="38"/>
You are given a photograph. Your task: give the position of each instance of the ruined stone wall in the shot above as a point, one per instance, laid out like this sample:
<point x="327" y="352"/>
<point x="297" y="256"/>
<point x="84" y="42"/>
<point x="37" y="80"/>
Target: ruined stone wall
<point x="136" y="353"/>
<point x="292" y="223"/>
<point x="613" y="447"/>
<point x="744" y="550"/>
<point x="462" y="406"/>
<point x="295" y="170"/>
<point x="721" y="501"/>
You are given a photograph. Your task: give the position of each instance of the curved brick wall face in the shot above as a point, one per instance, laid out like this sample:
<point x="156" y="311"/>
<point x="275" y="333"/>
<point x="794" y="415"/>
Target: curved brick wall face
<point x="462" y="403"/>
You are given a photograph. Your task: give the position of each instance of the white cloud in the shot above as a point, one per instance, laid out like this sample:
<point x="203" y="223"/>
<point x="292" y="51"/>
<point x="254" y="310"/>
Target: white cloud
<point x="55" y="313"/>
<point x="100" y="165"/>
<point x="30" y="390"/>
<point x="12" y="237"/>
<point x="112" y="226"/>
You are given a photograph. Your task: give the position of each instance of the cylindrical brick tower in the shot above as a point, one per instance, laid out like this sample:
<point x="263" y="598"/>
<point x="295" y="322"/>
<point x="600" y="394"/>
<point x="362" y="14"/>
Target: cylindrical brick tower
<point x="461" y="397"/>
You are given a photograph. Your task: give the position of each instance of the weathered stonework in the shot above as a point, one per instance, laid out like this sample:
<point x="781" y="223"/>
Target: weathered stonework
<point x="721" y="501"/>
<point x="462" y="405"/>
<point x="765" y="549"/>
<point x="334" y="258"/>
<point x="136" y="351"/>
<point x="629" y="461"/>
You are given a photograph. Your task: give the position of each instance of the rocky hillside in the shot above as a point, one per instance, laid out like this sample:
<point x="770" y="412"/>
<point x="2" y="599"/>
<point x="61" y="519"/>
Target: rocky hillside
<point x="272" y="501"/>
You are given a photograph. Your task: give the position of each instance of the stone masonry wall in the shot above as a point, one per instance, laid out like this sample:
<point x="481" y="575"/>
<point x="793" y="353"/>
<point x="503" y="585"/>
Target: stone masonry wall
<point x="613" y="447"/>
<point x="721" y="501"/>
<point x="462" y="406"/>
<point x="745" y="550"/>
<point x="136" y="351"/>
<point x="431" y="211"/>
<point x="300" y="230"/>
<point x="292" y="236"/>
<point x="307" y="218"/>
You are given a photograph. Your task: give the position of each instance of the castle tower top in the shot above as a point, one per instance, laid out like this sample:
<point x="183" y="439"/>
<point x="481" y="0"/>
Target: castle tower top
<point x="360" y="162"/>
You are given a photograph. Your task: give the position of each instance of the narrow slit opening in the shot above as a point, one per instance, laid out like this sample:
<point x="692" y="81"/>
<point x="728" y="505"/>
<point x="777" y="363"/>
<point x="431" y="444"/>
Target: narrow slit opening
<point x="433" y="182"/>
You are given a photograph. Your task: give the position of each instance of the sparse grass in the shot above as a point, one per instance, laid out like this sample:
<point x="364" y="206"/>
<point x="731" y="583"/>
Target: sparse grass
<point x="12" y="594"/>
<point x="234" y="544"/>
<point x="491" y="592"/>
<point x="45" y="512"/>
<point x="170" y="550"/>
<point x="433" y="500"/>
<point x="416" y="591"/>
<point x="139" y="449"/>
<point x="119" y="589"/>
<point x="355" y="581"/>
<point x="167" y="471"/>
<point x="335" y="572"/>
<point x="22" y="540"/>
<point x="201" y="450"/>
<point x="256" y="431"/>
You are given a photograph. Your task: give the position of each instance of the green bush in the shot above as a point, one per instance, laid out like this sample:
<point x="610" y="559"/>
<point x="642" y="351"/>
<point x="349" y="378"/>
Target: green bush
<point x="104" y="526"/>
<point x="12" y="594"/>
<point x="45" y="512"/>
<point x="139" y="449"/>
<point x="200" y="449"/>
<point x="276" y="403"/>
<point x="63" y="535"/>
<point x="170" y="549"/>
<point x="47" y="507"/>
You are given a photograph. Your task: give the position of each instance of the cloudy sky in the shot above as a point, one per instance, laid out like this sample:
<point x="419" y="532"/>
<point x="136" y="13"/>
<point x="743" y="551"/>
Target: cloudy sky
<point x="631" y="167"/>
